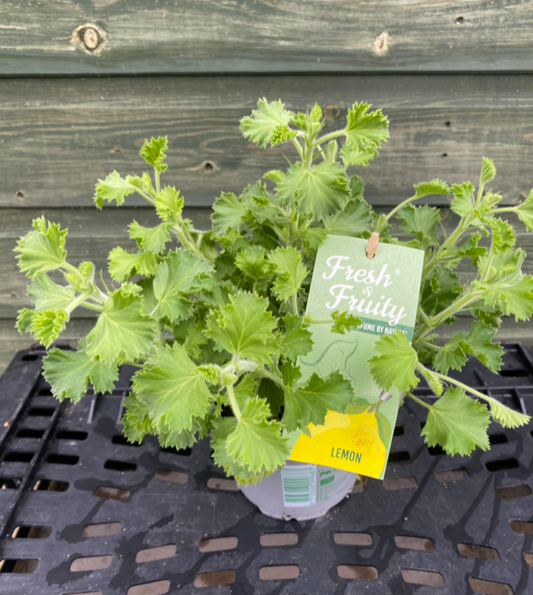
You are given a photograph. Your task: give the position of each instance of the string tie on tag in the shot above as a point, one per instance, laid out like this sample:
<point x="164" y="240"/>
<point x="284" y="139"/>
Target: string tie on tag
<point x="372" y="246"/>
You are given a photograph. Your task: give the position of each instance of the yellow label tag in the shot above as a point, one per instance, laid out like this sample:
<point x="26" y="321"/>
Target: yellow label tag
<point x="348" y="442"/>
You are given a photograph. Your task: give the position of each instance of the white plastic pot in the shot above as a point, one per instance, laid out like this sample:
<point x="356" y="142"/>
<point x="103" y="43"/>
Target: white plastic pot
<point x="300" y="491"/>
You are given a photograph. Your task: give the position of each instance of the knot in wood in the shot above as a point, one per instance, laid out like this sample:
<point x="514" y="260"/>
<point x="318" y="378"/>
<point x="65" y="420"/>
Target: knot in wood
<point x="381" y="44"/>
<point x="90" y="37"/>
<point x="331" y="112"/>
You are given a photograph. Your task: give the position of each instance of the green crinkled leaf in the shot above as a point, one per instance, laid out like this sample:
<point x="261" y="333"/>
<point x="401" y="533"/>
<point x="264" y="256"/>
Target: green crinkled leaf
<point x="257" y="443"/>
<point x="274" y="175"/>
<point x="168" y="204"/>
<point x="503" y="236"/>
<point x="502" y="268"/>
<point x="24" y="318"/>
<point x="150" y="239"/>
<point x="309" y="403"/>
<point x="420" y="221"/>
<point x="281" y="134"/>
<point x="313" y="237"/>
<point x="355" y="219"/>
<point x="452" y="355"/>
<point x="351" y="155"/>
<point x="169" y="438"/>
<point x="252" y="262"/>
<point x="470" y="249"/>
<point x="259" y="203"/>
<point x="261" y="126"/>
<point x="479" y="343"/>
<point x="440" y="291"/>
<point x="228" y="213"/>
<point x="525" y="211"/>
<point x="488" y="171"/>
<point x="46" y="295"/>
<point x="244" y="327"/>
<point x="173" y="389"/>
<point x="43" y="325"/>
<point x="222" y="428"/>
<point x="181" y="273"/>
<point x="356" y="186"/>
<point x="516" y="300"/>
<point x="297" y="340"/>
<point x="289" y="272"/>
<point x="121" y="331"/>
<point x="245" y="389"/>
<point x="47" y="325"/>
<point x="136" y="421"/>
<point x="396" y="363"/>
<point x="191" y="336"/>
<point x="457" y="423"/>
<point x="365" y="130"/>
<point x="507" y="417"/>
<point x="463" y="202"/>
<point x="43" y="249"/>
<point x="153" y="152"/>
<point x="114" y="188"/>
<point x="69" y="372"/>
<point x="344" y="322"/>
<point x="436" y="186"/>
<point x="290" y="373"/>
<point x="123" y="263"/>
<point x="321" y="191"/>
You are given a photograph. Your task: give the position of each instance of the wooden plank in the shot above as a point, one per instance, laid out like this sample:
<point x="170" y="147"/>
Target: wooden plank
<point x="93" y="234"/>
<point x="59" y="136"/>
<point x="176" y="36"/>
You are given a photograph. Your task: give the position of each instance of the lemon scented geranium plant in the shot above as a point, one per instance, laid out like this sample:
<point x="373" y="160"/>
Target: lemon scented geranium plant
<point x="214" y="320"/>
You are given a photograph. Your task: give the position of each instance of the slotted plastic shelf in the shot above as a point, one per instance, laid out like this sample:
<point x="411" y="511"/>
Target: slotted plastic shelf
<point x="81" y="511"/>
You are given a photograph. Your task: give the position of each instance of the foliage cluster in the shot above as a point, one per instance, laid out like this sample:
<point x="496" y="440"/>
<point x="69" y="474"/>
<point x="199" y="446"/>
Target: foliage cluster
<point x="214" y="320"/>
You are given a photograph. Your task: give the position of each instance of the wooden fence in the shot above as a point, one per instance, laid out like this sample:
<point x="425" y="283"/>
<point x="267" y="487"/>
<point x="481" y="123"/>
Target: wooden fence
<point x="83" y="82"/>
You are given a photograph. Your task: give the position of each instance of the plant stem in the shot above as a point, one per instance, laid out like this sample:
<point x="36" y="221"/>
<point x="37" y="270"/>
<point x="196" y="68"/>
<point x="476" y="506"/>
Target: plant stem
<point x="91" y="306"/>
<point x="451" y="240"/>
<point x="298" y="148"/>
<point x="419" y="401"/>
<point x="72" y="269"/>
<point x="233" y="401"/>
<point x="157" y="181"/>
<point x="75" y="303"/>
<point x="457" y="306"/>
<point x="294" y="301"/>
<point x="145" y="196"/>
<point x="401" y="205"/>
<point x="458" y="383"/>
<point x="326" y="138"/>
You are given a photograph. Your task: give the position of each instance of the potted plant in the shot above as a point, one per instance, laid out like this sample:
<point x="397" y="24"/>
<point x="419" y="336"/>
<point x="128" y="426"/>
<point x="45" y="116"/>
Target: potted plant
<point x="215" y="320"/>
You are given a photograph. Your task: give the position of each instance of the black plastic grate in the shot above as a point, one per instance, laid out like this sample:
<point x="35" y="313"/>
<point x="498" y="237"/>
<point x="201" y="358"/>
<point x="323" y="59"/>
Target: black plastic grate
<point x="81" y="511"/>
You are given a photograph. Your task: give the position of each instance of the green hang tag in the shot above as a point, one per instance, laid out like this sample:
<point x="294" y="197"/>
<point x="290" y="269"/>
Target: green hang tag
<point x="383" y="293"/>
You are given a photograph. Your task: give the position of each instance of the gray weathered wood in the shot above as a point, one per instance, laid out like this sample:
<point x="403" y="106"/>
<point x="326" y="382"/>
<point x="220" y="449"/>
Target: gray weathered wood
<point x="93" y="234"/>
<point x="59" y="136"/>
<point x="176" y="36"/>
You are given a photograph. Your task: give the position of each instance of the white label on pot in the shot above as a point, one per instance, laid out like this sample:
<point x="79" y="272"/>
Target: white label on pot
<point x="299" y="485"/>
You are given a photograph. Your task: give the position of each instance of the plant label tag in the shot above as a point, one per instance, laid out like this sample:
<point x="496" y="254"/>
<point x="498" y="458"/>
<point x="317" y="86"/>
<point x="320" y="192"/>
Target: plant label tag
<point x="383" y="293"/>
